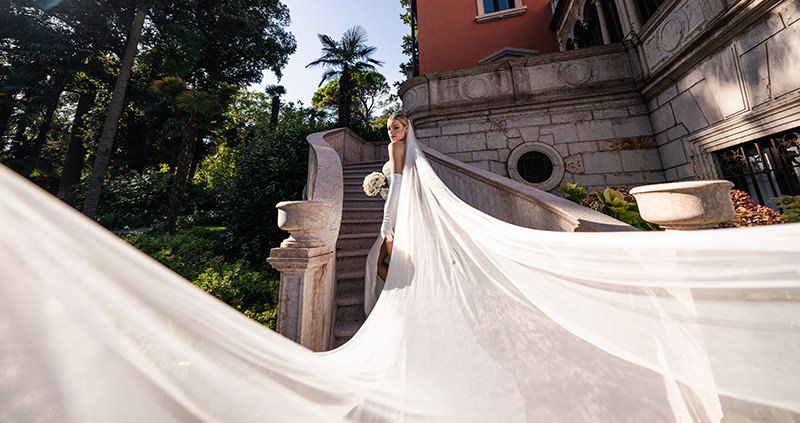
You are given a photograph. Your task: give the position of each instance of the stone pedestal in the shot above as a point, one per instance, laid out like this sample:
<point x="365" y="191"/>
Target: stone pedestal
<point x="686" y="205"/>
<point x="307" y="281"/>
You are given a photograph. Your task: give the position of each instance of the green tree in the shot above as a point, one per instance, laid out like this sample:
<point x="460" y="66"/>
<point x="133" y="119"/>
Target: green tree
<point x="191" y="105"/>
<point x="275" y="92"/>
<point x="342" y="59"/>
<point x="370" y="92"/>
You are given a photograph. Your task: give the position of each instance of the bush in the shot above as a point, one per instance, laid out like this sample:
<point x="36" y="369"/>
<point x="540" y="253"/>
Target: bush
<point x="270" y="168"/>
<point x="790" y="207"/>
<point x="616" y="202"/>
<point x="252" y="292"/>
<point x="188" y="252"/>
<point x="750" y="214"/>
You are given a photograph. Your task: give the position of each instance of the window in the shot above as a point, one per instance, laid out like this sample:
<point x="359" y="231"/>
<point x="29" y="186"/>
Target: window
<point x="765" y="168"/>
<point x="490" y="10"/>
<point x="491" y="6"/>
<point x="535" y="167"/>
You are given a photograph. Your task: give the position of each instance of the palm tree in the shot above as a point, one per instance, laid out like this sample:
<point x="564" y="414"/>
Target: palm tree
<point x="191" y="105"/>
<point x="103" y="155"/>
<point x="341" y="59"/>
<point x="274" y="91"/>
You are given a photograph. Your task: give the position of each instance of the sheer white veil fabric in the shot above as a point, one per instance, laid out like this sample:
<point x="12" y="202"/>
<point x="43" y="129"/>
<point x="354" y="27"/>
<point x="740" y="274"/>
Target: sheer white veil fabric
<point x="479" y="320"/>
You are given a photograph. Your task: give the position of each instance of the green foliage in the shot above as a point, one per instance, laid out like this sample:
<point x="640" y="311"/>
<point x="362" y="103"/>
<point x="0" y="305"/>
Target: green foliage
<point x="130" y="200"/>
<point x="616" y="202"/>
<point x="790" y="207"/>
<point x="616" y="205"/>
<point x="574" y="192"/>
<point x="252" y="292"/>
<point x="198" y="254"/>
<point x="270" y="167"/>
<point x="217" y="169"/>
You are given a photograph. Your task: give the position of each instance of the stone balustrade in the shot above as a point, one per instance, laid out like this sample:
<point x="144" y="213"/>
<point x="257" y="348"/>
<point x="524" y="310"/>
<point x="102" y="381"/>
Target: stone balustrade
<point x="307" y="259"/>
<point x="686" y="205"/>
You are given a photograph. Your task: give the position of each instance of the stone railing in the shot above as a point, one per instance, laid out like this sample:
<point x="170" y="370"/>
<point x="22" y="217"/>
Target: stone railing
<point x="515" y="202"/>
<point x="532" y="82"/>
<point x="307" y="258"/>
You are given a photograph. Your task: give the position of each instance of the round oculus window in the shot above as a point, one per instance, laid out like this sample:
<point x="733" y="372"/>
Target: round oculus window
<point x="535" y="167"/>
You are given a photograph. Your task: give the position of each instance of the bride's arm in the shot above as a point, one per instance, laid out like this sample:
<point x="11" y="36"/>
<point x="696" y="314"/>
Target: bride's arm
<point x="396" y="157"/>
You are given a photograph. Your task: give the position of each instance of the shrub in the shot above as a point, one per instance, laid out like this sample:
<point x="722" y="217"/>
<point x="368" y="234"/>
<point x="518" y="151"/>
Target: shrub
<point x="188" y="252"/>
<point x="750" y="214"/>
<point x="790" y="207"/>
<point x="616" y="202"/>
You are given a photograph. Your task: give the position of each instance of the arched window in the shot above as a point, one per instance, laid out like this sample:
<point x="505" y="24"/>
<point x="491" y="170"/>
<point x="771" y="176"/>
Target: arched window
<point x="613" y="24"/>
<point x="647" y="8"/>
<point x="587" y="33"/>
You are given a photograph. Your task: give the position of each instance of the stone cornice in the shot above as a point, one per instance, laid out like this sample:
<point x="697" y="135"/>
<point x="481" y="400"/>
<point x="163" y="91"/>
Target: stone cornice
<point x="716" y="34"/>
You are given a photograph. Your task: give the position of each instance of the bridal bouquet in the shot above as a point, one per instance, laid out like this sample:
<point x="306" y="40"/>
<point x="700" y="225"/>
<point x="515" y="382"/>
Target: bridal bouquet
<point x="373" y="183"/>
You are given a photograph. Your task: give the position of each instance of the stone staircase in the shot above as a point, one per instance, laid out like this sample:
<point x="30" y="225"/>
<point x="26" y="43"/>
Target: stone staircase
<point x="361" y="222"/>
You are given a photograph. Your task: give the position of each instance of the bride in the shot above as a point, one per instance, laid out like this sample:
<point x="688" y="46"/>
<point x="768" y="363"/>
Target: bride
<point x="478" y="320"/>
<point x="376" y="269"/>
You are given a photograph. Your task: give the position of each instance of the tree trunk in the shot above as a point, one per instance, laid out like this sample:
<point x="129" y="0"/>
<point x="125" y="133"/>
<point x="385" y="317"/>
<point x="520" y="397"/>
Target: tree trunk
<point x="197" y="155"/>
<point x="276" y="107"/>
<point x="345" y="99"/>
<point x="76" y="149"/>
<point x="33" y="159"/>
<point x="188" y="139"/>
<point x="104" y="147"/>
<point x="6" y="110"/>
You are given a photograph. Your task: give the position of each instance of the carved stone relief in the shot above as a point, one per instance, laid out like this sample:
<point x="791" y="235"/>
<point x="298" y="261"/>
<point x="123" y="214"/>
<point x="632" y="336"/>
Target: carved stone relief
<point x="575" y="73"/>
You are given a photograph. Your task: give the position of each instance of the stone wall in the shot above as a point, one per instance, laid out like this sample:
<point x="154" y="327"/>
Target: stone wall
<point x="745" y="89"/>
<point x="581" y="108"/>
<point x="698" y="76"/>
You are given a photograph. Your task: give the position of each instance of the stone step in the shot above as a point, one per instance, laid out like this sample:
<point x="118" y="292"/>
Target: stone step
<point x="350" y="275"/>
<point x="357" y="241"/>
<point x="351" y="263"/>
<point x="351" y="226"/>
<point x="346" y="329"/>
<point x="345" y="286"/>
<point x="345" y="299"/>
<point x="364" y="202"/>
<point x="363" y="171"/>
<point x="365" y="213"/>
<point x="353" y="312"/>
<point x="361" y="165"/>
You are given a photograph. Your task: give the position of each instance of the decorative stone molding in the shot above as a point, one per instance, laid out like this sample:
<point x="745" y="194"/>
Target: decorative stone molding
<point x="551" y="153"/>
<point x="575" y="73"/>
<point x="671" y="33"/>
<point x="686" y="205"/>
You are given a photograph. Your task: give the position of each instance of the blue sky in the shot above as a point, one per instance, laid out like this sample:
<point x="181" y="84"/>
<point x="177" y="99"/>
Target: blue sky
<point x="381" y="19"/>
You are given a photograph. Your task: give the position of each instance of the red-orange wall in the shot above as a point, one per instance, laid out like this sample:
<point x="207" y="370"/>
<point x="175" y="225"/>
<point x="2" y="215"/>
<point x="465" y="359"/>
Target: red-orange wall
<point x="449" y="37"/>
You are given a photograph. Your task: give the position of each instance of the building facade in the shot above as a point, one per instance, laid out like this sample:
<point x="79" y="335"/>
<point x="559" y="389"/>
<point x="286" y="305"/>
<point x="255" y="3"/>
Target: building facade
<point x="641" y="91"/>
<point x="455" y="34"/>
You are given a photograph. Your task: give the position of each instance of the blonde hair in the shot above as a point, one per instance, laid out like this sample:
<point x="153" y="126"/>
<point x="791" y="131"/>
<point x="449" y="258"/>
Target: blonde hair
<point x="398" y="117"/>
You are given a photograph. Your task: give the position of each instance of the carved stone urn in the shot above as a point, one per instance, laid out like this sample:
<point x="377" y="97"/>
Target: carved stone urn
<point x="306" y="222"/>
<point x="686" y="205"/>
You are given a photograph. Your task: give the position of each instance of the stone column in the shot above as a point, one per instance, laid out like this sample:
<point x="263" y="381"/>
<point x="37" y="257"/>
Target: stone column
<point x="686" y="205"/>
<point x="601" y="16"/>
<point x="305" y="299"/>
<point x="631" y="15"/>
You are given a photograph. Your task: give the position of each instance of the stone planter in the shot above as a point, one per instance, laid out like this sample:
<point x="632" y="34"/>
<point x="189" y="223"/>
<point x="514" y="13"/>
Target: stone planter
<point x="306" y="221"/>
<point x="686" y="205"/>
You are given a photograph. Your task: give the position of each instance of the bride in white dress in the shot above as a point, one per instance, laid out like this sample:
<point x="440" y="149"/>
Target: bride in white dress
<point x="377" y="267"/>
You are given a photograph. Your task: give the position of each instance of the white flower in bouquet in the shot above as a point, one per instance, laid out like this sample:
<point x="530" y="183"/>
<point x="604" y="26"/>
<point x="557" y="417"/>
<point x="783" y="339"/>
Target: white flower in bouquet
<point x="373" y="183"/>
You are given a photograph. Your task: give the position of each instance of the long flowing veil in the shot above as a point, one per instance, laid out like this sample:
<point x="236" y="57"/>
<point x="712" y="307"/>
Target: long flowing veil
<point x="479" y="320"/>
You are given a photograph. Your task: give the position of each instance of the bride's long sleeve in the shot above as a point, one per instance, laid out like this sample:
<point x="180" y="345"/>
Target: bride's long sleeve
<point x="390" y="207"/>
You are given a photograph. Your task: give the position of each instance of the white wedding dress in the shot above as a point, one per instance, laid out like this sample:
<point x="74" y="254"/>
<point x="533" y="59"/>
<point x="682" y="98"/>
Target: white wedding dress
<point x="479" y="320"/>
<point x="373" y="284"/>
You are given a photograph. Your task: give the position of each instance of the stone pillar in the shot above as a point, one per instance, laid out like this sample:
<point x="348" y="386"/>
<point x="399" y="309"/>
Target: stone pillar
<point x="305" y="300"/>
<point x="601" y="16"/>
<point x="686" y="205"/>
<point x="632" y="15"/>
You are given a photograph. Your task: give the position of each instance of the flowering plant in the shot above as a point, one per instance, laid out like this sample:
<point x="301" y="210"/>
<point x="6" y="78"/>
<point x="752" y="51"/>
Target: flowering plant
<point x="373" y="183"/>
